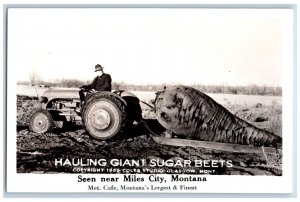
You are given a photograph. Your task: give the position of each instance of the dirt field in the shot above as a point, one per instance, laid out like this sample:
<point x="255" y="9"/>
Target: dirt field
<point x="36" y="152"/>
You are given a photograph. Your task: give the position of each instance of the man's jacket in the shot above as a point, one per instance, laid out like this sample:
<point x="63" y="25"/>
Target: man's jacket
<point x="100" y="83"/>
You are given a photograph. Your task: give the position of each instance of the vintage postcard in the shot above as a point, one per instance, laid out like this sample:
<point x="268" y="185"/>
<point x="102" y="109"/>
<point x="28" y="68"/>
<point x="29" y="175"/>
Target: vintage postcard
<point x="150" y="100"/>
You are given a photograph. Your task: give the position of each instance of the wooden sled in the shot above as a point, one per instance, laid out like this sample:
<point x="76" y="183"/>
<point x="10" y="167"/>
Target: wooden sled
<point x="227" y="147"/>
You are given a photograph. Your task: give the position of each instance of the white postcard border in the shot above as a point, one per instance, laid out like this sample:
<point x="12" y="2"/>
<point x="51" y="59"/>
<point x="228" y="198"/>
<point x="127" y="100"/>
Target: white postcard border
<point x="216" y="184"/>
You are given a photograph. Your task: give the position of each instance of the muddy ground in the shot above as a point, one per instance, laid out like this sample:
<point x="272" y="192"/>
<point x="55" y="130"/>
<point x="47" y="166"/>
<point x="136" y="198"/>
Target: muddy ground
<point x="36" y="153"/>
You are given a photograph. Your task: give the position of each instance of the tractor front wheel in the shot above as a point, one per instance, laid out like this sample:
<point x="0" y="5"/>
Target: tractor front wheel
<point x="41" y="121"/>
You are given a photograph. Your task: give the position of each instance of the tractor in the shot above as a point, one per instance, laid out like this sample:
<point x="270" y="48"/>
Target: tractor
<point x="103" y="114"/>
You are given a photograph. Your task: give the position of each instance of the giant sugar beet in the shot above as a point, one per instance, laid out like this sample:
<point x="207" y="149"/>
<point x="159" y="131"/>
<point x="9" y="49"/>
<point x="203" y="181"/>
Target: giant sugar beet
<point x="188" y="112"/>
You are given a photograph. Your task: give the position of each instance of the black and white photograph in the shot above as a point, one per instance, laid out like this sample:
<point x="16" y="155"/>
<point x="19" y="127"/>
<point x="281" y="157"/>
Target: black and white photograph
<point x="149" y="99"/>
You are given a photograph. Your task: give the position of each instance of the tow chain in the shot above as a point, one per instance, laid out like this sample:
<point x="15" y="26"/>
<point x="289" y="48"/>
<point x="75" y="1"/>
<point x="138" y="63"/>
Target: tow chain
<point x="152" y="134"/>
<point x="148" y="128"/>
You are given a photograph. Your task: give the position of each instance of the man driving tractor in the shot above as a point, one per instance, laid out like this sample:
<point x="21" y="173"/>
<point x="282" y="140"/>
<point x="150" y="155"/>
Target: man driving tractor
<point x="102" y="82"/>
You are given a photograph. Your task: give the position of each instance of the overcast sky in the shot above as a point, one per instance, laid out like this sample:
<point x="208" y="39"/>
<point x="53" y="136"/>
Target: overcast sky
<point x="141" y="46"/>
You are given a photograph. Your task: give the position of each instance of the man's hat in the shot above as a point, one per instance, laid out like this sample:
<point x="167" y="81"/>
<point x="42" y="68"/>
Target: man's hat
<point x="98" y="68"/>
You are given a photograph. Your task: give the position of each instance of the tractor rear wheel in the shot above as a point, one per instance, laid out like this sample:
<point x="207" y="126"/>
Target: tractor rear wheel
<point x="41" y="121"/>
<point x="104" y="116"/>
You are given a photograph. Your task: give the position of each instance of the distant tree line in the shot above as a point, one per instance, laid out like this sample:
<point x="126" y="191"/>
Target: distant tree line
<point x="222" y="89"/>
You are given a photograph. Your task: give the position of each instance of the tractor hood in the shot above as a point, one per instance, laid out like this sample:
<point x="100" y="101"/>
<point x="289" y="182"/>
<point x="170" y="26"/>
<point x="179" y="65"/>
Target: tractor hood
<point x="61" y="93"/>
<point x="73" y="93"/>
